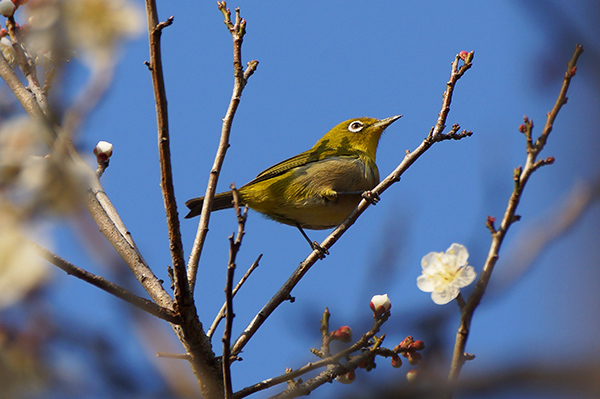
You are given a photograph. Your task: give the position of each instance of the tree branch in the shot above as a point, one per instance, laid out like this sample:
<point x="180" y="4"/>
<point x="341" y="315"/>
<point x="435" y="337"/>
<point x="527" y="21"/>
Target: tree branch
<point x="24" y="96"/>
<point x="100" y="282"/>
<point x="237" y="31"/>
<point x="27" y="65"/>
<point x="521" y="177"/>
<point x="363" y="342"/>
<point x="221" y="313"/>
<point x="234" y="247"/>
<point x="112" y="227"/>
<point x="182" y="292"/>
<point x="190" y="332"/>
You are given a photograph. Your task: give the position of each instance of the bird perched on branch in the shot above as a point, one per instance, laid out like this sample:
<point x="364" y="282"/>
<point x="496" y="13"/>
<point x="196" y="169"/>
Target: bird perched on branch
<point x="318" y="188"/>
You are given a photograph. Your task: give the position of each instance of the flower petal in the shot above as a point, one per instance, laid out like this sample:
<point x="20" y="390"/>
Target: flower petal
<point x="460" y="252"/>
<point x="465" y="276"/>
<point x="425" y="283"/>
<point x="445" y="296"/>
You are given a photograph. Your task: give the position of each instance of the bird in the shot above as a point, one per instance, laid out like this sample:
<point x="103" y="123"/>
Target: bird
<point x="316" y="189"/>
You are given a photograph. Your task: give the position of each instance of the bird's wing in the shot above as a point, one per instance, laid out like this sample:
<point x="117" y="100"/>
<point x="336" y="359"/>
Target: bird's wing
<point x="301" y="159"/>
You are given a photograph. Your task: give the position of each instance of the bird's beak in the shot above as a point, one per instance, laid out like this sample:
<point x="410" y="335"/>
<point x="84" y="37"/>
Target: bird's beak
<point x="383" y="123"/>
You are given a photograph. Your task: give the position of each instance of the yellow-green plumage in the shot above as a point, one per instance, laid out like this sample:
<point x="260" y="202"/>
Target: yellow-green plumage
<point x="318" y="188"/>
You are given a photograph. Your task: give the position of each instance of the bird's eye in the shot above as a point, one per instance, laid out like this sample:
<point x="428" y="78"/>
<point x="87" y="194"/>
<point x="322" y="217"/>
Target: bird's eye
<point x="355" y="126"/>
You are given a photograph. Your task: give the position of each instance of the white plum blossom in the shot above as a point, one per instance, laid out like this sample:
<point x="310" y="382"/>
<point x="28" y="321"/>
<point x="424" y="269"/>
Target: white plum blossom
<point x="444" y="273"/>
<point x="380" y="304"/>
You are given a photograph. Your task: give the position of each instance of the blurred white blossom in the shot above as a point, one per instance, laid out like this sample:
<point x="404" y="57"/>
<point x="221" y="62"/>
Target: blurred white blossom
<point x="92" y="28"/>
<point x="97" y="26"/>
<point x="21" y="269"/>
<point x="7" y="50"/>
<point x="30" y="179"/>
<point x="444" y="273"/>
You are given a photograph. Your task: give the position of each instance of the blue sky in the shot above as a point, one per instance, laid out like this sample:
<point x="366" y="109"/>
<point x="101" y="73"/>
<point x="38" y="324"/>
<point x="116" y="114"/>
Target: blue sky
<point x="325" y="62"/>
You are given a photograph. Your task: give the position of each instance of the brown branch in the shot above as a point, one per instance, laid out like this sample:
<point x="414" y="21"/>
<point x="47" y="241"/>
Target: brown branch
<point x="24" y="96"/>
<point x="190" y="333"/>
<point x="27" y="65"/>
<point x="434" y="136"/>
<point x="221" y="313"/>
<point x="532" y="241"/>
<point x="455" y="74"/>
<point x="178" y="356"/>
<point x="237" y="31"/>
<point x="521" y="177"/>
<point x="181" y="285"/>
<point x="331" y="373"/>
<point x="111" y="288"/>
<point x="112" y="227"/>
<point x="234" y="247"/>
<point x="363" y="342"/>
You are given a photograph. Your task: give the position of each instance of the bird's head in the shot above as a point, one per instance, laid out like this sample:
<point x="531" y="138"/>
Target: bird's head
<point x="359" y="134"/>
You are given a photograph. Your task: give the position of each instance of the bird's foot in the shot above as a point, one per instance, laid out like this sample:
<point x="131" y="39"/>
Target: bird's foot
<point x="371" y="197"/>
<point x="321" y="251"/>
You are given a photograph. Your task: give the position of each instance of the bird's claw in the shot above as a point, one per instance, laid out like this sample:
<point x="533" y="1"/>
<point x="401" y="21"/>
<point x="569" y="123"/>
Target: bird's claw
<point x="321" y="251"/>
<point x="371" y="197"/>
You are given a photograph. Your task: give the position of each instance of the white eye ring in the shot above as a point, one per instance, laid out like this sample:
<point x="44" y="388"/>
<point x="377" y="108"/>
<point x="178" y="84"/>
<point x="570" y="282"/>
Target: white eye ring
<point x="355" y="126"/>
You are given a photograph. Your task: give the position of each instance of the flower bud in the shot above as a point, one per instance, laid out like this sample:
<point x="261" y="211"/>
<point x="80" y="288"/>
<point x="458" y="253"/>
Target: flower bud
<point x="573" y="71"/>
<point x="417" y="345"/>
<point x="466" y="56"/>
<point x="414" y="358"/>
<point x="396" y="361"/>
<point x="344" y="334"/>
<point x="7" y="8"/>
<point x="347" y="378"/>
<point x="380" y="304"/>
<point x="406" y="342"/>
<point x="412" y="376"/>
<point x="103" y="151"/>
<point x="522" y="128"/>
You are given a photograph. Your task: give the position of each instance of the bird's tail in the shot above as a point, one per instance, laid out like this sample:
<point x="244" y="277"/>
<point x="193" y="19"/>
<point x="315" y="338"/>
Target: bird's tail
<point x="221" y="201"/>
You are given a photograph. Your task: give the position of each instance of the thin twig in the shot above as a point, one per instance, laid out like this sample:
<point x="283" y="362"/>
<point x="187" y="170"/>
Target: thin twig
<point x="27" y="65"/>
<point x="284" y="292"/>
<point x="155" y="29"/>
<point x="455" y="74"/>
<point x="221" y="315"/>
<point x="190" y="333"/>
<point x="237" y="31"/>
<point x="521" y="177"/>
<point x="111" y="288"/>
<point x="234" y="247"/>
<point x="179" y="356"/>
<point x="533" y="240"/>
<point x="24" y="96"/>
<point x="328" y="375"/>
<point x="363" y="342"/>
<point x="225" y="361"/>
